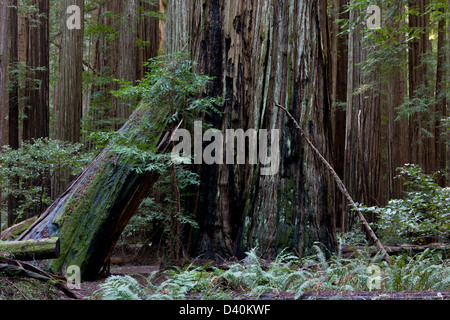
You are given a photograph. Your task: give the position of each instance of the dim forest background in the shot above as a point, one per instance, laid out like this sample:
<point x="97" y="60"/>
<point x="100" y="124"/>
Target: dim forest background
<point x="374" y="102"/>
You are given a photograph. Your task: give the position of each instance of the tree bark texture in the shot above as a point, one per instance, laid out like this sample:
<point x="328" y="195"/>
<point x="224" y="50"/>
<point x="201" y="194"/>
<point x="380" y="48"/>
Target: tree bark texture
<point x="36" y="121"/>
<point x="3" y="67"/>
<point x="262" y="53"/>
<point x="13" y="116"/>
<point x="339" y="58"/>
<point x="68" y="98"/>
<point x="363" y="123"/>
<point x="441" y="108"/>
<point x="421" y="146"/>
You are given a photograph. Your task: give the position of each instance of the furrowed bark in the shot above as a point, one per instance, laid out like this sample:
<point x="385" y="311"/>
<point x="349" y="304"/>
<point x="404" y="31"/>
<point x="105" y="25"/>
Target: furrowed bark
<point x="261" y="52"/>
<point x="339" y="183"/>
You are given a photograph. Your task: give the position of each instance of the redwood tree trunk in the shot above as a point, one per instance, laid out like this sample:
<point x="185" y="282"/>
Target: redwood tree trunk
<point x="3" y="66"/>
<point x="68" y="98"/>
<point x="421" y="146"/>
<point x="262" y="53"/>
<point x="36" y="121"/>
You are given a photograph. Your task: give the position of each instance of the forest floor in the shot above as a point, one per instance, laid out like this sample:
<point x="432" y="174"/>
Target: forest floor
<point x="129" y="260"/>
<point x="141" y="265"/>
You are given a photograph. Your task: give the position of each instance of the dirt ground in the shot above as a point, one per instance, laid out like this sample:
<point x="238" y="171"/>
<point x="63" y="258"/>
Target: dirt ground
<point x="126" y="260"/>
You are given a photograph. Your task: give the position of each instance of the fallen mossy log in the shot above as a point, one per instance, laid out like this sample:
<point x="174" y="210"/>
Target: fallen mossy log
<point x="350" y="251"/>
<point x="90" y="215"/>
<point x="30" y="250"/>
<point x="17" y="229"/>
<point x="13" y="268"/>
<point x="376" y="295"/>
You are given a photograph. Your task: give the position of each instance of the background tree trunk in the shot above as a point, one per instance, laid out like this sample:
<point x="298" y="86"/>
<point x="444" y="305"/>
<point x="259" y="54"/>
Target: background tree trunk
<point x="69" y="90"/>
<point x="13" y="116"/>
<point x="126" y="55"/>
<point x="398" y="129"/>
<point x="3" y="71"/>
<point x="3" y="68"/>
<point x="68" y="98"/>
<point x="263" y="53"/>
<point x="441" y="108"/>
<point x="339" y="75"/>
<point x="421" y="152"/>
<point x="36" y="121"/>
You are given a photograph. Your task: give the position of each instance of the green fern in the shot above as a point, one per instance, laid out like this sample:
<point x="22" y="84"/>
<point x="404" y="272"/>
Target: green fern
<point x="123" y="288"/>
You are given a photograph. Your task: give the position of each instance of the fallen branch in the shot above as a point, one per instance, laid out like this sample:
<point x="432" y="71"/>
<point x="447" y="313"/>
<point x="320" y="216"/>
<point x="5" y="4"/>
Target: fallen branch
<point x="13" y="268"/>
<point x="348" y="250"/>
<point x="339" y="183"/>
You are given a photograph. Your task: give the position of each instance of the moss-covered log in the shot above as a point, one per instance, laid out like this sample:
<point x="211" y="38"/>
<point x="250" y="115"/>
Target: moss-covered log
<point x="31" y="249"/>
<point x="92" y="212"/>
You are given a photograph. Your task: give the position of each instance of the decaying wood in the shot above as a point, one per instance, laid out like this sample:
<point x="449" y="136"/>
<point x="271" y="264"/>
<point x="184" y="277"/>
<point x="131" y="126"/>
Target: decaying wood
<point x="90" y="215"/>
<point x="376" y="295"/>
<point x="17" y="229"/>
<point x="349" y="251"/>
<point x="30" y="250"/>
<point x="339" y="183"/>
<point x="13" y="268"/>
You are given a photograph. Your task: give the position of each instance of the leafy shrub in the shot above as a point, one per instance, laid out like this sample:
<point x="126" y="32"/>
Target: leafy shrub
<point x="425" y="211"/>
<point x="26" y="173"/>
<point x="174" y="89"/>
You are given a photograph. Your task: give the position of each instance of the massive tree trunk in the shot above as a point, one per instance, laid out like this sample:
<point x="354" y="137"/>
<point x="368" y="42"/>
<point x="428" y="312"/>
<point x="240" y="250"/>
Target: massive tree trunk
<point x="89" y="216"/>
<point x="262" y="53"/>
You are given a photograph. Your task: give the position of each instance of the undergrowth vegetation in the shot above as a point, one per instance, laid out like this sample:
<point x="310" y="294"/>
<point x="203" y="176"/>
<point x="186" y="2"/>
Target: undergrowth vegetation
<point x="26" y="289"/>
<point x="287" y="273"/>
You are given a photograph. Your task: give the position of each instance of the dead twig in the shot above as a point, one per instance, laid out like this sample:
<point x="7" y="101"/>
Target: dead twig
<point x="339" y="183"/>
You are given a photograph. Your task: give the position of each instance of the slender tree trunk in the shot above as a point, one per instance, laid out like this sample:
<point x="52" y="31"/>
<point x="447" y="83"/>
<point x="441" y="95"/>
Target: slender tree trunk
<point x="421" y="152"/>
<point x="3" y="69"/>
<point x="262" y="53"/>
<point x="441" y="108"/>
<point x="339" y="97"/>
<point x="13" y="116"/>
